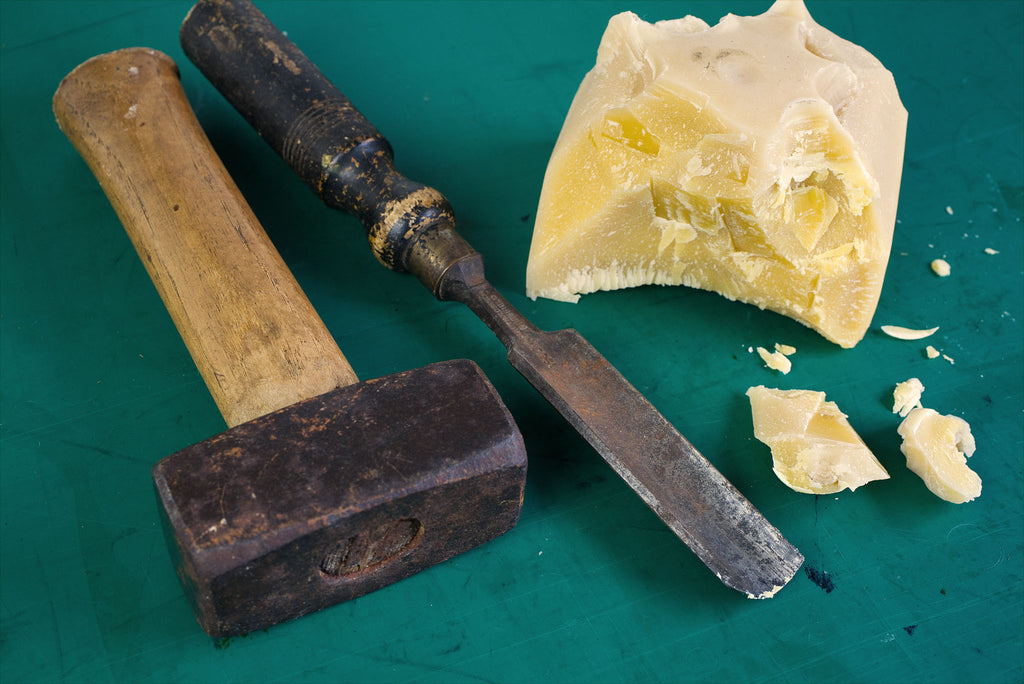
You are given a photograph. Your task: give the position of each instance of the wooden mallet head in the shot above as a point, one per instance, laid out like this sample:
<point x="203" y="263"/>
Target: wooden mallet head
<point x="324" y="488"/>
<point x="340" y="494"/>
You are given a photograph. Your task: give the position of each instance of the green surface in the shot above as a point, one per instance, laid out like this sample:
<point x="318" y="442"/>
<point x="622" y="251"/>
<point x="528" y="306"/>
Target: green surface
<point x="590" y="586"/>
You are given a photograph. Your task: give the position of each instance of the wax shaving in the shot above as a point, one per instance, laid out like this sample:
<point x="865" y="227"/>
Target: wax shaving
<point x="902" y="333"/>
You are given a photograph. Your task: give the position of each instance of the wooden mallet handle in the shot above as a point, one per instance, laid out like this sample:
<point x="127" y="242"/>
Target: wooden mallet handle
<point x="256" y="339"/>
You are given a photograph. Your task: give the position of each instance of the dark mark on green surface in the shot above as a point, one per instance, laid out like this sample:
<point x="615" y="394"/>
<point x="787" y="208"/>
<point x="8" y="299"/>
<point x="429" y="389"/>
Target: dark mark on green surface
<point x="221" y="643"/>
<point x="590" y="481"/>
<point x="821" y="578"/>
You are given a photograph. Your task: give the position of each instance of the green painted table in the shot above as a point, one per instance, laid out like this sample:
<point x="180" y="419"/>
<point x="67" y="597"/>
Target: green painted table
<point x="590" y="586"/>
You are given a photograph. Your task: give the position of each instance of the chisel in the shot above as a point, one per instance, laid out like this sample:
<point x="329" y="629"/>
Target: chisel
<point x="411" y="227"/>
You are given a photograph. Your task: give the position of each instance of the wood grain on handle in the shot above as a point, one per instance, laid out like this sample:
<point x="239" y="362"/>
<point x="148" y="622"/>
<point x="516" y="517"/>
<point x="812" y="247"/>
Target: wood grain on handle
<point x="254" y="336"/>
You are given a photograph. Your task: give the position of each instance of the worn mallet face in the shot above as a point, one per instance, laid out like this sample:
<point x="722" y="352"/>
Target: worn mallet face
<point x="339" y="495"/>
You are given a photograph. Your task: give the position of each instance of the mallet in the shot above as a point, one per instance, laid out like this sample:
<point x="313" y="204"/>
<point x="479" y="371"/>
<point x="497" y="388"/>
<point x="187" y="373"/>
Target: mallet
<point x="324" y="488"/>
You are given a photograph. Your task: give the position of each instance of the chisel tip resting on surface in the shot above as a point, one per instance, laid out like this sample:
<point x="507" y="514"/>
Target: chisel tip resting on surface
<point x="349" y="165"/>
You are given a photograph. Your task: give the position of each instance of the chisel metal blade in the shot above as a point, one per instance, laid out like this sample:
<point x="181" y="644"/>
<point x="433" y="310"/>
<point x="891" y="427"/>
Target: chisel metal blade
<point x="703" y="508"/>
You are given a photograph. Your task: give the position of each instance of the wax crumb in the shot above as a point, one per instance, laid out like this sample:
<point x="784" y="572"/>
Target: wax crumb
<point x="775" y="360"/>
<point x="949" y="210"/>
<point x="989" y="250"/>
<point x="941" y="267"/>
<point x="785" y="349"/>
<point x="931" y="352"/>
<point x="907" y="396"/>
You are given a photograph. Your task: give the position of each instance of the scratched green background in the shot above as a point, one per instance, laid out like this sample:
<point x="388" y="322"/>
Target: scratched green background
<point x="590" y="587"/>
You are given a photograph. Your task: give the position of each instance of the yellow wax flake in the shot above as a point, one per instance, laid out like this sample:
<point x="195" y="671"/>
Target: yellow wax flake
<point x="814" y="448"/>
<point x="901" y="333"/>
<point x="775" y="360"/>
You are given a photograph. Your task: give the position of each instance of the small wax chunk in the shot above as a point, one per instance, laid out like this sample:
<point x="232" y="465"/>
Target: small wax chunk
<point x="907" y="396"/>
<point x="759" y="158"/>
<point x="937" y="448"/>
<point x="814" y="448"/>
<point x="775" y="360"/>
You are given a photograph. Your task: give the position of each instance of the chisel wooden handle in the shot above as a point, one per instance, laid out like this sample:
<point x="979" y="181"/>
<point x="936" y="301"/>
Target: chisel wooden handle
<point x="321" y="135"/>
<point x="254" y="336"/>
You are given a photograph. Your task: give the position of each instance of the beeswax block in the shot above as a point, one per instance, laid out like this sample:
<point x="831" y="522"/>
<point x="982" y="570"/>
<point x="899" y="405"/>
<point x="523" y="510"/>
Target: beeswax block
<point x="760" y="158"/>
